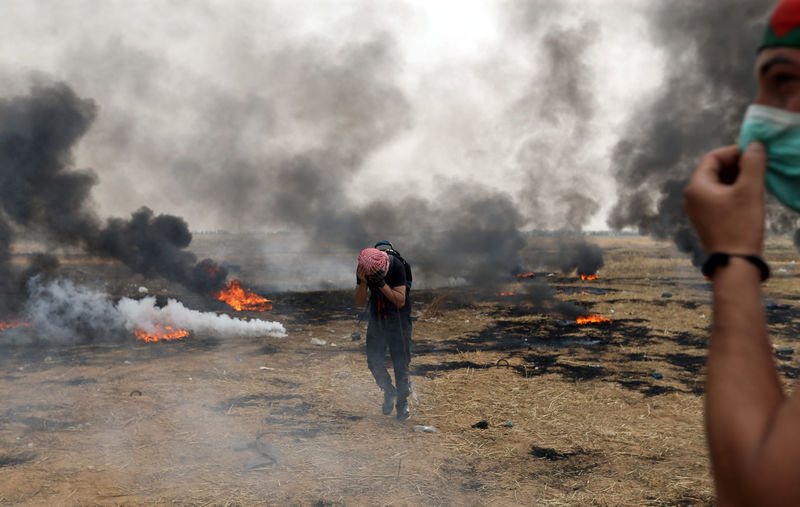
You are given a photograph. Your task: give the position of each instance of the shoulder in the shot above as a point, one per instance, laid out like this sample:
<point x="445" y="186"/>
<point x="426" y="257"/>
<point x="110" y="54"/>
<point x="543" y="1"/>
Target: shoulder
<point x="396" y="272"/>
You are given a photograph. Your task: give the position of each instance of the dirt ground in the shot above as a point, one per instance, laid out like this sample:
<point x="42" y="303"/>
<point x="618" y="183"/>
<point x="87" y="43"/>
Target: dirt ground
<point x="600" y="414"/>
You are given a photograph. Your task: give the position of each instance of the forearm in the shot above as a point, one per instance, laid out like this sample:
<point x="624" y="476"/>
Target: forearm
<point x="395" y="296"/>
<point x="360" y="294"/>
<point x="743" y="393"/>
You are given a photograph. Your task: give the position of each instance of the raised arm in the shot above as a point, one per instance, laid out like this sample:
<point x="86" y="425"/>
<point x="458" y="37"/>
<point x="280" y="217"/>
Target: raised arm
<point x="753" y="433"/>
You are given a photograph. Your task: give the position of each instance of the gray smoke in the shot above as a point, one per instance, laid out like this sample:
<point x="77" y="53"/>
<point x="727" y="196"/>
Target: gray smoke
<point x="42" y="192"/>
<point x="479" y="241"/>
<point x="553" y="115"/>
<point x="585" y="258"/>
<point x="280" y="135"/>
<point x="708" y="85"/>
<point x="542" y="298"/>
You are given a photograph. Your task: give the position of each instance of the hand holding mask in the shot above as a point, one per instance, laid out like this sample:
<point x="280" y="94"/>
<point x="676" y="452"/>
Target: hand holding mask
<point x="779" y="131"/>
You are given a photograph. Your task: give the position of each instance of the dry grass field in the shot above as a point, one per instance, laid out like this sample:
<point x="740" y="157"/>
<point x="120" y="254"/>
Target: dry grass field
<point x="598" y="414"/>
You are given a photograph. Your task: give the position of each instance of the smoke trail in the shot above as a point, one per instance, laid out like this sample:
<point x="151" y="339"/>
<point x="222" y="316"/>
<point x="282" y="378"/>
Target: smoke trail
<point x="41" y="191"/>
<point x="60" y="312"/>
<point x="706" y="90"/>
<point x="146" y="315"/>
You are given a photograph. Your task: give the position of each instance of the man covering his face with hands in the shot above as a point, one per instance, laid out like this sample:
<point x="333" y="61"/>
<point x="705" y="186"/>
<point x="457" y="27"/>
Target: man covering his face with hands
<point x="384" y="277"/>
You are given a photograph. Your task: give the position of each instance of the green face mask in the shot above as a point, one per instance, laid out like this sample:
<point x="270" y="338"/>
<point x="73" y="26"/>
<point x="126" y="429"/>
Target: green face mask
<point x="779" y="130"/>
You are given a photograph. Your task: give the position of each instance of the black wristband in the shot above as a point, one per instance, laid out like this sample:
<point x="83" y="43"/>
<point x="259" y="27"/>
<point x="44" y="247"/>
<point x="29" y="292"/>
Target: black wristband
<point x="721" y="259"/>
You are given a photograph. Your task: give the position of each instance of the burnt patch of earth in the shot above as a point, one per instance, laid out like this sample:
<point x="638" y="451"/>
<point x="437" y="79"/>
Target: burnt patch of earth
<point x="283" y="383"/>
<point x="268" y="350"/>
<point x="78" y="381"/>
<point x="789" y="371"/>
<point x="690" y="363"/>
<point x="292" y="421"/>
<point x="36" y="423"/>
<point x="252" y="400"/>
<point x="19" y="459"/>
<point x="424" y="369"/>
<point x="551" y="454"/>
<point x="562" y="467"/>
<point x="689" y="305"/>
<point x="305" y="306"/>
<point x="505" y="335"/>
<point x="687" y="339"/>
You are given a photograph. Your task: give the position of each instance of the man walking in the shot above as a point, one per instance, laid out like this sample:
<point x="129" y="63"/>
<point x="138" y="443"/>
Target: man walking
<point x="384" y="276"/>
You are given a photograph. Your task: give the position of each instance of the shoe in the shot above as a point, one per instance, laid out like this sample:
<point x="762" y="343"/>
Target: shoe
<point x="402" y="411"/>
<point x="388" y="402"/>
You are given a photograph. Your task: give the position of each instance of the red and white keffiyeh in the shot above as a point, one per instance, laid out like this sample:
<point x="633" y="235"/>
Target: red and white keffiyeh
<point x="373" y="259"/>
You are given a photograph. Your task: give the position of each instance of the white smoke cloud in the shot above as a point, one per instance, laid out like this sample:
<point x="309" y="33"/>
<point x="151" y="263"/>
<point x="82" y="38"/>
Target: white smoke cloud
<point x="144" y="314"/>
<point x="61" y="312"/>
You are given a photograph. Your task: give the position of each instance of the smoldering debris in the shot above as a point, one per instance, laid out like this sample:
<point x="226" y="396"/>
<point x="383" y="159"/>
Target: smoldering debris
<point x="539" y="297"/>
<point x="579" y="255"/>
<point x="60" y="312"/>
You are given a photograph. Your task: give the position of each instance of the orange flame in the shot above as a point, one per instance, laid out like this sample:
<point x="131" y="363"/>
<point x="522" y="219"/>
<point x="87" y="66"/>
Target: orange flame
<point x="12" y="324"/>
<point x="504" y="294"/>
<point x="592" y="319"/>
<point x="525" y="275"/>
<point x="165" y="333"/>
<point x="242" y="299"/>
<point x="588" y="277"/>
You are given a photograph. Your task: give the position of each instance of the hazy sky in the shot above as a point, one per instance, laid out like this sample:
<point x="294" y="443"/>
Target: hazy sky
<point x="199" y="100"/>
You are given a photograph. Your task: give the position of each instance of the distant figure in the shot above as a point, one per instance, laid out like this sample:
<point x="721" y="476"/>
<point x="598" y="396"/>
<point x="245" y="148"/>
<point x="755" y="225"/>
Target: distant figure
<point x="389" y="325"/>
<point x="753" y="428"/>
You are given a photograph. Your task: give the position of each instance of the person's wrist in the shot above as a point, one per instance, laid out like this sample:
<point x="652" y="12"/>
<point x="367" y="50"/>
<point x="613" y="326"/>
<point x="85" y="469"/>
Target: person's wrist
<point x="719" y="261"/>
<point x="735" y="247"/>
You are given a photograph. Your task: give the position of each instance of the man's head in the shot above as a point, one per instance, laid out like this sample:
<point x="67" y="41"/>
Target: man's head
<point x="778" y="64"/>
<point x="373" y="260"/>
<point x="774" y="117"/>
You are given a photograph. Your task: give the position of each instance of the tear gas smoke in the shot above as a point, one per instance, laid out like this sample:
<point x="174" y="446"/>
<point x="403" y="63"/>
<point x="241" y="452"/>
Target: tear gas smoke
<point x="145" y="314"/>
<point x="61" y="312"/>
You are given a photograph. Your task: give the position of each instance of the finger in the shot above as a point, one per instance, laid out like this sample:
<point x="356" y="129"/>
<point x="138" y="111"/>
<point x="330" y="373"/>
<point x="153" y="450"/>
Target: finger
<point x="713" y="163"/>
<point x="752" y="167"/>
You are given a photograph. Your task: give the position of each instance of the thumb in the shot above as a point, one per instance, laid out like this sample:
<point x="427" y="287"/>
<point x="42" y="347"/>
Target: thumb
<point x="753" y="166"/>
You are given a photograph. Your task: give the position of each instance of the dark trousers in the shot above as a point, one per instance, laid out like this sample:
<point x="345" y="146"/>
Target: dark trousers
<point x="396" y="336"/>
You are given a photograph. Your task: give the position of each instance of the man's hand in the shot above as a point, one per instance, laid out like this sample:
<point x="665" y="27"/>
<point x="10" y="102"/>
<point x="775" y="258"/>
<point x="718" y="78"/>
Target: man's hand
<point x="729" y="216"/>
<point x="377" y="279"/>
<point x="361" y="274"/>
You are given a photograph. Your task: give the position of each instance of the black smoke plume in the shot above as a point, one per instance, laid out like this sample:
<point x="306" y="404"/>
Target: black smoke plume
<point x="41" y="192"/>
<point x="710" y="50"/>
<point x="585" y="258"/>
